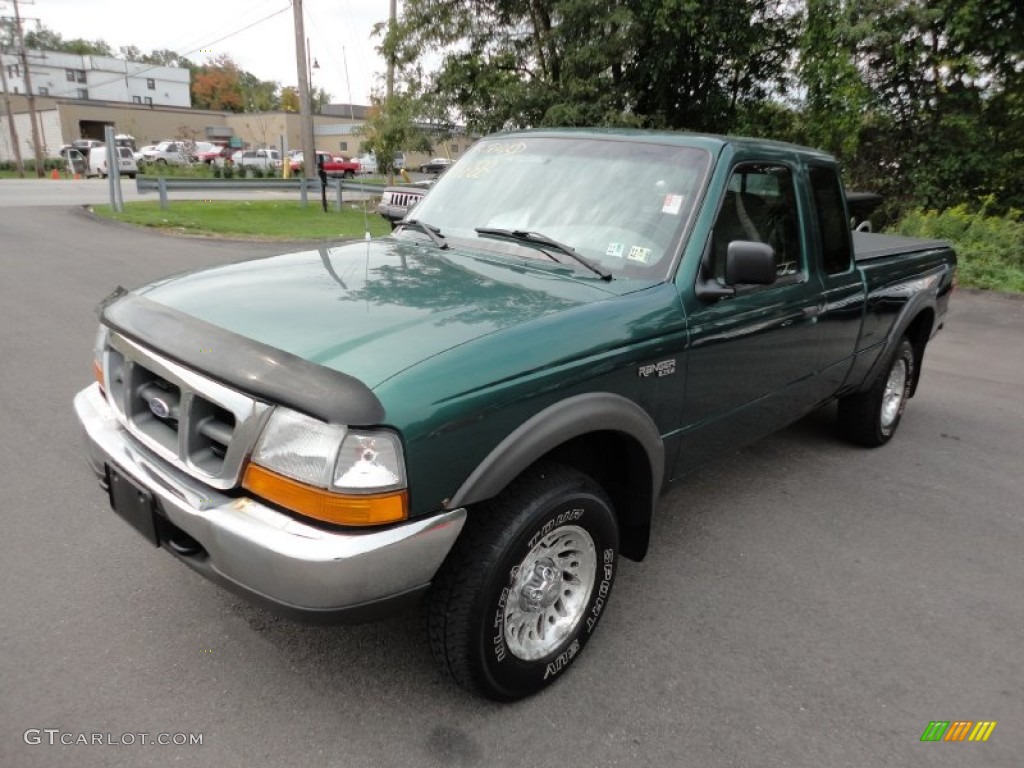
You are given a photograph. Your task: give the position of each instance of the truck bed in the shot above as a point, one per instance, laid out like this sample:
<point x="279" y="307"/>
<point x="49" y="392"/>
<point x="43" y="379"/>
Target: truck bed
<point x="868" y="246"/>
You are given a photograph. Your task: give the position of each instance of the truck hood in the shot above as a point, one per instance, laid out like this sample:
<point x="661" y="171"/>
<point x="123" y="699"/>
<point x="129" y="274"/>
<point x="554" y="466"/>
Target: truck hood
<point x="374" y="308"/>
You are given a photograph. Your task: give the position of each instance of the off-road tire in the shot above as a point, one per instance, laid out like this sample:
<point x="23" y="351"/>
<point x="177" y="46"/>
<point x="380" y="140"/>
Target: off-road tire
<point x="870" y="418"/>
<point x="504" y="539"/>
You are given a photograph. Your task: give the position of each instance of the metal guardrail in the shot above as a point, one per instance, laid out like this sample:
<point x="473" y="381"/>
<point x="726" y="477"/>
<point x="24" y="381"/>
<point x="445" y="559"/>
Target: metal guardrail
<point x="163" y="185"/>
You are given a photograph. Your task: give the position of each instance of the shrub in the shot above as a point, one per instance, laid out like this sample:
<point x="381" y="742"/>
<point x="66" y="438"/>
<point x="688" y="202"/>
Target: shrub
<point x="216" y="171"/>
<point x="990" y="248"/>
<point x="256" y="171"/>
<point x="229" y="171"/>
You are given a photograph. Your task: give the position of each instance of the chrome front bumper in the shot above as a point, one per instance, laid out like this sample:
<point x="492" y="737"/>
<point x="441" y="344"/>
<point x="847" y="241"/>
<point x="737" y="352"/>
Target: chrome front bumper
<point x="270" y="557"/>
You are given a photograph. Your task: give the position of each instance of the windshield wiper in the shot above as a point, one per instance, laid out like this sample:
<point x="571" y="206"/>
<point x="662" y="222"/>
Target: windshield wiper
<point x="536" y="238"/>
<point x="428" y="229"/>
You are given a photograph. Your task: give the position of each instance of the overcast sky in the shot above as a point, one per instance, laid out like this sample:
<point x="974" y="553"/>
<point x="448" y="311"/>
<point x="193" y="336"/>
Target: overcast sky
<point x="267" y="49"/>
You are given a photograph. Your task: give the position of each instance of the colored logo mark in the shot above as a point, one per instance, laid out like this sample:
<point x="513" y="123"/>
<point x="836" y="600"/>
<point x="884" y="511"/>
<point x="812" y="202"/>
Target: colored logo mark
<point x="958" y="730"/>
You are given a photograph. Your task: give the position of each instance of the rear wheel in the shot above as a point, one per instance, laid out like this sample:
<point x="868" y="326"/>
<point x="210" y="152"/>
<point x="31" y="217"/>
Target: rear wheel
<point x="525" y="585"/>
<point x="870" y="418"/>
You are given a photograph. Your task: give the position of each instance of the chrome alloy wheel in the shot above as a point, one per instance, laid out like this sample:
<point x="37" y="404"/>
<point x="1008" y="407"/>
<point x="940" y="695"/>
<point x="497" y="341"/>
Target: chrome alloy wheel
<point x="895" y="389"/>
<point x="551" y="590"/>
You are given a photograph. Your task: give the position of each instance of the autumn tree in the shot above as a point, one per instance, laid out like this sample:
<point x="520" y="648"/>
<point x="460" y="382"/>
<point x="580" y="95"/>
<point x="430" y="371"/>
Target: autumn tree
<point x="217" y="85"/>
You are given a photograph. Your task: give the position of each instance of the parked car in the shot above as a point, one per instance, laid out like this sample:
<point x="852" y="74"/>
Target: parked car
<point x="295" y="158"/>
<point x="74" y="160"/>
<point x="267" y="159"/>
<point x="84" y="145"/>
<point x="206" y="152"/>
<point x="367" y="163"/>
<point x="140" y="153"/>
<point x="168" y="153"/>
<point x="436" y="165"/>
<point x="396" y="202"/>
<point x="99" y="156"/>
<point x="209" y="156"/>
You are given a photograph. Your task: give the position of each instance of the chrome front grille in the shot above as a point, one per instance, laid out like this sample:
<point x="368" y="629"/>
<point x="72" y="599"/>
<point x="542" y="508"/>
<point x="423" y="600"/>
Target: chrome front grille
<point x="197" y="424"/>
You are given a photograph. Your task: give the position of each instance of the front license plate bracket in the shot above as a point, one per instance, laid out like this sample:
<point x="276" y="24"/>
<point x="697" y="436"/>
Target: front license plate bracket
<point x="133" y="504"/>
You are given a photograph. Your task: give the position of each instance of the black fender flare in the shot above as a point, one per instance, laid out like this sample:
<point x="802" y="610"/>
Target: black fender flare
<point x="920" y="301"/>
<point x="556" y="425"/>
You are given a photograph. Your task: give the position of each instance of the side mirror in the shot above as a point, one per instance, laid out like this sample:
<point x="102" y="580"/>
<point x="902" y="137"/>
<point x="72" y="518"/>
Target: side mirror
<point x="747" y="261"/>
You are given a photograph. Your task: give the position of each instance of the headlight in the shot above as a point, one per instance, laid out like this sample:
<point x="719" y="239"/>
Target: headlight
<point x="327" y="472"/>
<point x="299" y="447"/>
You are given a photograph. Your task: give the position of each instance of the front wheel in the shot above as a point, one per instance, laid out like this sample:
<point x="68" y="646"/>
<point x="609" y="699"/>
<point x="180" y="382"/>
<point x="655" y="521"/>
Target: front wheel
<point x="526" y="584"/>
<point x="870" y="418"/>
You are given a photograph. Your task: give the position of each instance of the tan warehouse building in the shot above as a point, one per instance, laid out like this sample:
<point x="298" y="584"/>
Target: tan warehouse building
<point x="64" y="120"/>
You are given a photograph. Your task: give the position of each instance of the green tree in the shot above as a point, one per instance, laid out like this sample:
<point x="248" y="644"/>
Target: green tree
<point x="163" y="57"/>
<point x="258" y="95"/>
<point x="290" y="98"/>
<point x="659" y="63"/>
<point x="700" y="65"/>
<point x="946" y="83"/>
<point x="45" y="39"/>
<point x="517" y="63"/>
<point x="319" y="98"/>
<point x="392" y="127"/>
<point x="836" y="95"/>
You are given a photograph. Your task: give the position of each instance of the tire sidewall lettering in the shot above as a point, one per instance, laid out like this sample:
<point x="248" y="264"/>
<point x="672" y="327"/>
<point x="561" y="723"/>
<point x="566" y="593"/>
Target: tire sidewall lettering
<point x="603" y="588"/>
<point x="574" y="512"/>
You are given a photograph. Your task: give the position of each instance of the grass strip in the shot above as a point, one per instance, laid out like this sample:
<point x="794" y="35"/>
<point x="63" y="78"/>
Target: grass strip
<point x="257" y="219"/>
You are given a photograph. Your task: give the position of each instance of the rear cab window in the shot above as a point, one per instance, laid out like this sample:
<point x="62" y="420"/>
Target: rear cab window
<point x="831" y="220"/>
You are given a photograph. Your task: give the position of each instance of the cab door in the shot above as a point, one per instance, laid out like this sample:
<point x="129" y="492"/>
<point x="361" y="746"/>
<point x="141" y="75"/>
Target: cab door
<point x="753" y="356"/>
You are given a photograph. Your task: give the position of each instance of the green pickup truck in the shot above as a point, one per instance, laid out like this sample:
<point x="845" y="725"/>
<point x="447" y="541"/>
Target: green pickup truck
<point x="479" y="412"/>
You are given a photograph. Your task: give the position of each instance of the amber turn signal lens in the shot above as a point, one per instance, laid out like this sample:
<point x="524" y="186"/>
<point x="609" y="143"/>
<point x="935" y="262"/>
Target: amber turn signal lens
<point x="320" y="504"/>
<point x="97" y="371"/>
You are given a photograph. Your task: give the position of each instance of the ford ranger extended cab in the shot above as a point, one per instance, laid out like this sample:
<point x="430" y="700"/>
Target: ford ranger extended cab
<point x="481" y="410"/>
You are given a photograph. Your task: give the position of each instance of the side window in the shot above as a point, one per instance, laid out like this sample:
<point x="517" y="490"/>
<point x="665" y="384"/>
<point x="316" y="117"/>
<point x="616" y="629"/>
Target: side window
<point x="832" y="227"/>
<point x="759" y="205"/>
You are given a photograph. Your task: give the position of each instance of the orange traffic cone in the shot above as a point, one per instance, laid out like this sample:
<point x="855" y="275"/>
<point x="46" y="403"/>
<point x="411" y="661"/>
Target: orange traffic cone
<point x="78" y="176"/>
<point x="54" y="174"/>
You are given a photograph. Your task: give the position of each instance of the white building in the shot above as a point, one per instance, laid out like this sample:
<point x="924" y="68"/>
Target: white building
<point x="98" y="78"/>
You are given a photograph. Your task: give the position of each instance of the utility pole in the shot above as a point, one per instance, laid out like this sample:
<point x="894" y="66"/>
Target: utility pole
<point x="392" y="18"/>
<point x="37" y="143"/>
<point x="15" y="141"/>
<point x="305" y="107"/>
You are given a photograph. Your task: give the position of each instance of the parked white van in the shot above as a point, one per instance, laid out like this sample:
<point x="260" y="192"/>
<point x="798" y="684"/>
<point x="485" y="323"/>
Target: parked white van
<point x="125" y="162"/>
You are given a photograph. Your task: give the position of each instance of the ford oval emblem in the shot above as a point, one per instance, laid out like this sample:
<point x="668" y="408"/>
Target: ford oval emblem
<point x="159" y="408"/>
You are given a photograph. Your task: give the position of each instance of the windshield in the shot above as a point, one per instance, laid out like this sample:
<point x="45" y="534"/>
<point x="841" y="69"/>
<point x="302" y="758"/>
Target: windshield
<point x="621" y="204"/>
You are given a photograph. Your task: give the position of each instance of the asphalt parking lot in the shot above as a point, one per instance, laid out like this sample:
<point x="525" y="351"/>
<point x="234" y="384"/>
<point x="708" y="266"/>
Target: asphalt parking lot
<point x="805" y="602"/>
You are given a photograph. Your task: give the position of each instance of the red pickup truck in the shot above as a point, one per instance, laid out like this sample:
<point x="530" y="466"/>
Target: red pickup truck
<point x="335" y="167"/>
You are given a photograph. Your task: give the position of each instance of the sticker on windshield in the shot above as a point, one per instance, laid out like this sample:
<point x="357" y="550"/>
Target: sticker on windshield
<point x="638" y="254"/>
<point x="477" y="169"/>
<point x="673" y="204"/>
<point x="503" y="148"/>
<point x="615" y="250"/>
